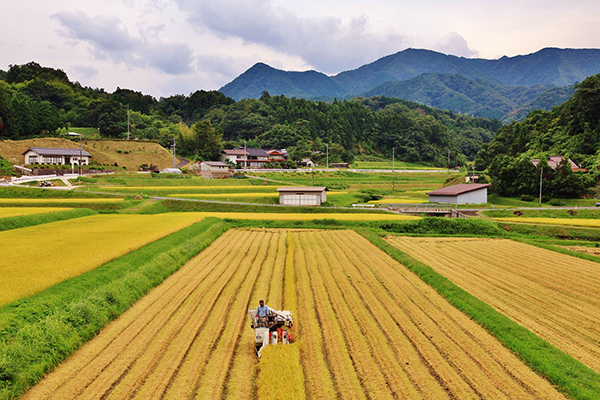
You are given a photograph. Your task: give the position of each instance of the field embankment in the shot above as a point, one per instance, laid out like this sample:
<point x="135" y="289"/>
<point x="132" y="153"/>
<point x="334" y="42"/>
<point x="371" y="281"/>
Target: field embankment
<point x="367" y="328"/>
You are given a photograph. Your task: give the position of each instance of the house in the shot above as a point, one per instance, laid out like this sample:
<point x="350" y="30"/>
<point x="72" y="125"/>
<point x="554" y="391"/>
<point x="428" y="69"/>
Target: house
<point x="235" y="156"/>
<point x="302" y="196"/>
<point x="306" y="162"/>
<point x="278" y="155"/>
<point x="464" y="193"/>
<point x="48" y="155"/>
<point x="214" y="169"/>
<point x="554" y="162"/>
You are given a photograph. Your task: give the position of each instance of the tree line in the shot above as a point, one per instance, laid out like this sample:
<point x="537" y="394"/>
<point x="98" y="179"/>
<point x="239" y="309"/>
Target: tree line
<point x="36" y="100"/>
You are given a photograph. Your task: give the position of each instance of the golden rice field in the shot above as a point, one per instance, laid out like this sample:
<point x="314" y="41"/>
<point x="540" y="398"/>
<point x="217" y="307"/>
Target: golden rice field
<point x="238" y="194"/>
<point x="310" y="216"/>
<point x="198" y="187"/>
<point x="37" y="257"/>
<point x="593" y="223"/>
<point x="17" y="211"/>
<point x="365" y="328"/>
<point x="399" y="201"/>
<point x="553" y="295"/>
<point x="57" y="200"/>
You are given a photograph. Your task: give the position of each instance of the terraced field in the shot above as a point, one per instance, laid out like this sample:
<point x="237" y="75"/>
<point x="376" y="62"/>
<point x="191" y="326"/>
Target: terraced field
<point x="365" y="326"/>
<point x="553" y="295"/>
<point x="17" y="211"/>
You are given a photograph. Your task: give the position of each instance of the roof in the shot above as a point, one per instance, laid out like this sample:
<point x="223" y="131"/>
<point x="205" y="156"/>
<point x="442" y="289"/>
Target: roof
<point x="214" y="163"/>
<point x="235" y="152"/>
<point x="459" y="189"/>
<point x="257" y="152"/>
<point x="554" y="161"/>
<point x="49" y="151"/>
<point x="301" y="189"/>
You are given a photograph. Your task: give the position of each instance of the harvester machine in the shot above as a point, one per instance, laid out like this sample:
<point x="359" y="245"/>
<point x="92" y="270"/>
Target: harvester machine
<point x="274" y="329"/>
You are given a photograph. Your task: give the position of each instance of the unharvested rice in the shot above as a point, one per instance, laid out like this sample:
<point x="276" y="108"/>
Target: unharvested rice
<point x="16" y="211"/>
<point x="57" y="200"/>
<point x="594" y="223"/>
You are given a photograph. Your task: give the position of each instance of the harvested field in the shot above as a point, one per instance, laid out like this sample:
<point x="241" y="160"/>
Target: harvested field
<point x="37" y="257"/>
<point x="551" y="294"/>
<point x="365" y="326"/>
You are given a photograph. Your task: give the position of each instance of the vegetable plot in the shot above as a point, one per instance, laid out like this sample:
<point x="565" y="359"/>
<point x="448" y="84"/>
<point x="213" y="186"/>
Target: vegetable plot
<point x="551" y="294"/>
<point x="365" y="327"/>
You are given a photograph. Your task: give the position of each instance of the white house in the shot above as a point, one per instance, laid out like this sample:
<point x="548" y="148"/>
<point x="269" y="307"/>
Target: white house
<point x="236" y="156"/>
<point x="47" y="155"/>
<point x="302" y="196"/>
<point x="214" y="169"/>
<point x="465" y="193"/>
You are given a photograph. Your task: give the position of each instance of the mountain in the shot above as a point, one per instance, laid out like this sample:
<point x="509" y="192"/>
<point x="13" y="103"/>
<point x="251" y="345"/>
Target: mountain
<point x="545" y="68"/>
<point x="474" y="97"/>
<point x="261" y="77"/>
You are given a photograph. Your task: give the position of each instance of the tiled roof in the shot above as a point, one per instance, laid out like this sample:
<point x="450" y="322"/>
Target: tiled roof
<point x="47" y="151"/>
<point x="459" y="189"/>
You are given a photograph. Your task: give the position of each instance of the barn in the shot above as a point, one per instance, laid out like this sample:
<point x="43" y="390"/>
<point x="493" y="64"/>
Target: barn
<point x="466" y="193"/>
<point x="302" y="196"/>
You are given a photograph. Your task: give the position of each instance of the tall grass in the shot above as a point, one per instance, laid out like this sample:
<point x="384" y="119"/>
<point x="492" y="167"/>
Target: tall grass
<point x="565" y="372"/>
<point x="39" y="332"/>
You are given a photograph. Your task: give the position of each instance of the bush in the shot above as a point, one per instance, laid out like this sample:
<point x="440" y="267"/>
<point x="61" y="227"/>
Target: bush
<point x="526" y="197"/>
<point x="556" y="203"/>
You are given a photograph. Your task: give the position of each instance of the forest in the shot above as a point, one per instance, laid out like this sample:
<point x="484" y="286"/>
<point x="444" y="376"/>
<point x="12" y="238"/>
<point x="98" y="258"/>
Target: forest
<point x="37" y="100"/>
<point x="571" y="130"/>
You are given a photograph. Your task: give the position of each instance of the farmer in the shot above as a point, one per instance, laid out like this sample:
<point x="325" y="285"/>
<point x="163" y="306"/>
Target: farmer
<point x="262" y="313"/>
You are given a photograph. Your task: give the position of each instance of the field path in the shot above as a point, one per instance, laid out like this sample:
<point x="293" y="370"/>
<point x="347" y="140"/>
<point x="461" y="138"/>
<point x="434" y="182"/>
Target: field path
<point x="365" y="328"/>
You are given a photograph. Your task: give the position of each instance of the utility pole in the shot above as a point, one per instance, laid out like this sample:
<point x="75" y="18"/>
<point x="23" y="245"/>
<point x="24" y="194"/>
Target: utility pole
<point x="127" y="121"/>
<point x="541" y="172"/>
<point x="326" y="145"/>
<point x="245" y="155"/>
<point x="174" y="153"/>
<point x="448" y="160"/>
<point x="393" y="182"/>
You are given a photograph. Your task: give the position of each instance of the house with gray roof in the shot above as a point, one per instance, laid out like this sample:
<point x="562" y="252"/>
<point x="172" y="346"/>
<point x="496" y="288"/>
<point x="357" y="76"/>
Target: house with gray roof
<point x="48" y="155"/>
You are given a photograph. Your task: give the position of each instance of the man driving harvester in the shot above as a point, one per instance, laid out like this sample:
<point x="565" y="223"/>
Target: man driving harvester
<point x="262" y="314"/>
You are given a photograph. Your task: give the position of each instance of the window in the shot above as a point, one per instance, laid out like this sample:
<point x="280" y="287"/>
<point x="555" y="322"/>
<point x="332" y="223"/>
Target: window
<point x="33" y="160"/>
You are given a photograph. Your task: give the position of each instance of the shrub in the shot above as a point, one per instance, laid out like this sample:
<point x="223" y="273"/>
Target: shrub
<point x="526" y="197"/>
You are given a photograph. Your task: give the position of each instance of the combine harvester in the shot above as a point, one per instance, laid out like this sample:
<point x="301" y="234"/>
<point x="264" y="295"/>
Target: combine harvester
<point x="272" y="330"/>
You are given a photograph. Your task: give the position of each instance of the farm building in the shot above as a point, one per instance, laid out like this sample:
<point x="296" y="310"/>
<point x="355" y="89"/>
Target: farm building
<point x="302" y="196"/>
<point x="339" y="165"/>
<point x="214" y="169"/>
<point x="48" y="155"/>
<point x="472" y="193"/>
<point x="554" y="161"/>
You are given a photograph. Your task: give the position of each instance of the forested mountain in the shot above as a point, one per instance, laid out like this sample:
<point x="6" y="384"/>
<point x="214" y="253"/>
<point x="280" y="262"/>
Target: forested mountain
<point x="572" y="130"/>
<point x="35" y="100"/>
<point x="547" y="68"/>
<point x="474" y="97"/>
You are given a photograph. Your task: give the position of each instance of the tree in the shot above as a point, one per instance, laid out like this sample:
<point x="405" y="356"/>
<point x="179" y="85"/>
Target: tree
<point x="206" y="141"/>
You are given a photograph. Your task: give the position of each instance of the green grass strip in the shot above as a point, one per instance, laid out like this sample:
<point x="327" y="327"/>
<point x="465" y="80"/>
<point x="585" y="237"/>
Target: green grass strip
<point x="39" y="332"/>
<point x="22" y="221"/>
<point x="566" y="373"/>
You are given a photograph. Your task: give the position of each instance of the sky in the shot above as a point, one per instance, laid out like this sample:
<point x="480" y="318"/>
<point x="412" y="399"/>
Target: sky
<point x="168" y="47"/>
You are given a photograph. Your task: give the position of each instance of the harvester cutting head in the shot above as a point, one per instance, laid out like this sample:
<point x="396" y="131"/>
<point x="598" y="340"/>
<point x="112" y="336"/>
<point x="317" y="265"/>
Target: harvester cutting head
<point x="275" y="328"/>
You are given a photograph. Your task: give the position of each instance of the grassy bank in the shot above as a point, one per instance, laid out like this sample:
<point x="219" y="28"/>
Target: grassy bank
<point x="568" y="374"/>
<point x="39" y="332"/>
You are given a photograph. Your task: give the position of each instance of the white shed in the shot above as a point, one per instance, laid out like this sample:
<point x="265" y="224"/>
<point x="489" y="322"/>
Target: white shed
<point x="302" y="196"/>
<point x="465" y="193"/>
<point x="214" y="169"/>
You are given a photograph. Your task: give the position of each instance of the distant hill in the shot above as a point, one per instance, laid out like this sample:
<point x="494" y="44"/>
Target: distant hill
<point x="545" y="69"/>
<point x="474" y="97"/>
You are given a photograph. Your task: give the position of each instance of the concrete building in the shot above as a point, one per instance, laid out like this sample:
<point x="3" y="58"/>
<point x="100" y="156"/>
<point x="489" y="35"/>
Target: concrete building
<point x="214" y="169"/>
<point x="302" y="196"/>
<point x="48" y="155"/>
<point x="472" y="193"/>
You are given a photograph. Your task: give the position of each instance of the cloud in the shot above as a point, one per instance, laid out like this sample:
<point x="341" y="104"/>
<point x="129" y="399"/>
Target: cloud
<point x="455" y="44"/>
<point x="84" y="72"/>
<point x="328" y="43"/>
<point x="109" y="39"/>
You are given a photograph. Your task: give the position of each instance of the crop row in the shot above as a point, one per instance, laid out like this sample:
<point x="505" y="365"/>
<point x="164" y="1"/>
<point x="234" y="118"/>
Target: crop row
<point x="16" y="211"/>
<point x="552" y="294"/>
<point x="365" y="327"/>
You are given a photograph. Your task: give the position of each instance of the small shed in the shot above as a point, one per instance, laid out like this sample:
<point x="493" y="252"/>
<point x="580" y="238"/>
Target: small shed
<point x="214" y="169"/>
<point x="465" y="193"/>
<point x="302" y="196"/>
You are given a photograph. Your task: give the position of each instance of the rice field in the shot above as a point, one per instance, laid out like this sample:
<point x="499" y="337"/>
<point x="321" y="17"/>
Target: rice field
<point x="17" y="211"/>
<point x="551" y="294"/>
<point x="310" y="216"/>
<point x="365" y="327"/>
<point x="37" y="257"/>
<point x="58" y="200"/>
<point x="592" y="223"/>
<point x="237" y="194"/>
